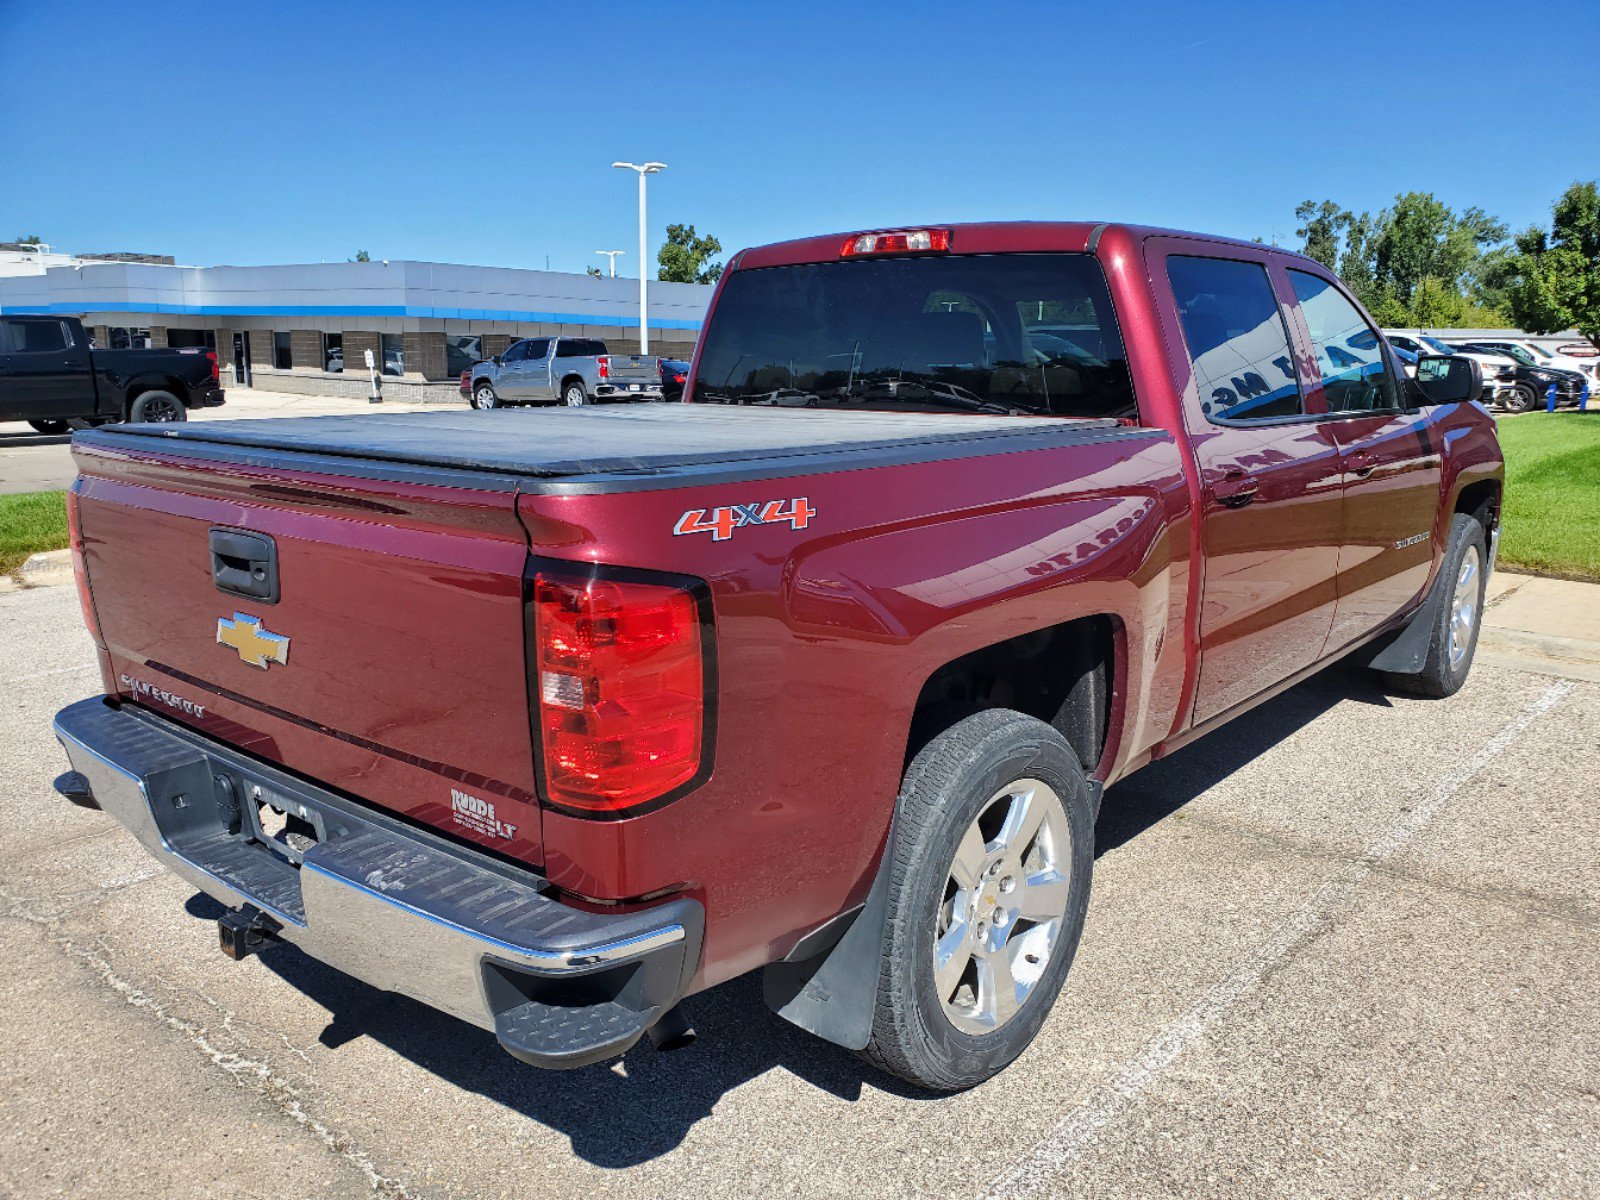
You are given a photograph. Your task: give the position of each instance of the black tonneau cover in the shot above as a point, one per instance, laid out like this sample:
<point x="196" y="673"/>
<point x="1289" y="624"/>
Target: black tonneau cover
<point x="609" y="439"/>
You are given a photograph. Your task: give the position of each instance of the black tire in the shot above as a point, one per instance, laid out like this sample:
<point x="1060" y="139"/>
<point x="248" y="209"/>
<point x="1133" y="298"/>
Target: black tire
<point x="157" y="406"/>
<point x="956" y="778"/>
<point x="1522" y="399"/>
<point x="484" y="396"/>
<point x="1444" y="671"/>
<point x="574" y="394"/>
<point x="51" y="428"/>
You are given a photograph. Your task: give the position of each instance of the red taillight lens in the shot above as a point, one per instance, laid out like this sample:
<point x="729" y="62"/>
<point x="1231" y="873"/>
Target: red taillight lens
<point x="605" y="366"/>
<point x="912" y="241"/>
<point x="680" y="379"/>
<point x="216" y="372"/>
<point x="621" y="687"/>
<point x="80" y="573"/>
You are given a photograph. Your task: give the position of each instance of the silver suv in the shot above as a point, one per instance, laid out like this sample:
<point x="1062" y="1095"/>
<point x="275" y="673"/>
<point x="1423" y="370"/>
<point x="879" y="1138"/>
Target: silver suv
<point x="560" y="371"/>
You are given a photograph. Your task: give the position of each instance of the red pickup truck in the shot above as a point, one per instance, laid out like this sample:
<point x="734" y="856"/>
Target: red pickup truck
<point x="551" y="719"/>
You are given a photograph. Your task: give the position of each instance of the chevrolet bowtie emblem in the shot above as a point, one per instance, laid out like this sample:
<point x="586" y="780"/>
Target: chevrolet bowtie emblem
<point x="255" y="645"/>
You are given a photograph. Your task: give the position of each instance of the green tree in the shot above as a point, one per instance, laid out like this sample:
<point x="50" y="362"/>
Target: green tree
<point x="1321" y="225"/>
<point x="1421" y="238"/>
<point x="687" y="258"/>
<point x="32" y="239"/>
<point x="1553" y="281"/>
<point x="595" y="271"/>
<point x="362" y="256"/>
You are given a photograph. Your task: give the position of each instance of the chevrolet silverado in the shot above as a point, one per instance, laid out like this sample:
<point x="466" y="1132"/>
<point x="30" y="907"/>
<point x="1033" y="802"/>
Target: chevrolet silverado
<point x="552" y="719"/>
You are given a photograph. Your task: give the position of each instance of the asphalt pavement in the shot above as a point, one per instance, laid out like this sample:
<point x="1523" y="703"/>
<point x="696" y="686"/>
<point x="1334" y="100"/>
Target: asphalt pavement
<point x="1347" y="946"/>
<point x="34" y="462"/>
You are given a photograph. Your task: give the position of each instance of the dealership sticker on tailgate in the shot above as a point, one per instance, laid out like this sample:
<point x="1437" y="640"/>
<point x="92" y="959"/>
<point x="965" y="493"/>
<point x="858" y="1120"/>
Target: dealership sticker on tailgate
<point x="478" y="816"/>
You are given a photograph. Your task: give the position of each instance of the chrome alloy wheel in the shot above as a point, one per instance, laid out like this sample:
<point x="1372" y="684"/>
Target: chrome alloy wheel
<point x="1464" y="607"/>
<point x="484" y="397"/>
<point x="1005" y="899"/>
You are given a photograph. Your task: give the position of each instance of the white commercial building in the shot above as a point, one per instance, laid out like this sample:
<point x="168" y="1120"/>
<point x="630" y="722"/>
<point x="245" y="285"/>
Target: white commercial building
<point x="293" y="328"/>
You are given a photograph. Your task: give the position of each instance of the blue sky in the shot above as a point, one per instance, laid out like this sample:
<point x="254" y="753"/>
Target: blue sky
<point x="295" y="132"/>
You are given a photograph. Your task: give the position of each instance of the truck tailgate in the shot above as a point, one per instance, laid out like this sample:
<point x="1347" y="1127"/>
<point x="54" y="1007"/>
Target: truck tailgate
<point x="633" y="368"/>
<point x="390" y="666"/>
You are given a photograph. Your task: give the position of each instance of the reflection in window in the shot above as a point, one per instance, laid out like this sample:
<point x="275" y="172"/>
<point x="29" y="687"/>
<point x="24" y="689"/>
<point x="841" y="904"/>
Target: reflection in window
<point x="1349" y="356"/>
<point x="128" y="338"/>
<point x="460" y="352"/>
<point x="333" y="352"/>
<point x="1237" y="339"/>
<point x="394" y="354"/>
<point x="282" y="355"/>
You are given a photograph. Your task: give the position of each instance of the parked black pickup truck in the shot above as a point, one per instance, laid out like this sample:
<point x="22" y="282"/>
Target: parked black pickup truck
<point x="50" y="378"/>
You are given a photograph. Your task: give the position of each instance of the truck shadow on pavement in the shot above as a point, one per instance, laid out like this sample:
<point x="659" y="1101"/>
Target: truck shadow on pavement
<point x="643" y="1106"/>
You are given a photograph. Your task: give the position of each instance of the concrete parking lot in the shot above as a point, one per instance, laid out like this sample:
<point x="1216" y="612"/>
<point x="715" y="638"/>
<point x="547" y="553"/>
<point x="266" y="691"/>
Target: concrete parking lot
<point x="36" y="462"/>
<point x="1348" y="946"/>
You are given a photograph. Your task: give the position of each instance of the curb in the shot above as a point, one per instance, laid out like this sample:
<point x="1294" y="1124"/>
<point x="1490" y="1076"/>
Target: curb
<point x="50" y="568"/>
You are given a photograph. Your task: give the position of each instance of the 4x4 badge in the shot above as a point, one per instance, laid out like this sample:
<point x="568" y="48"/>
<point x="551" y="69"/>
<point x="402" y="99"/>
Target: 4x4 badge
<point x="255" y="645"/>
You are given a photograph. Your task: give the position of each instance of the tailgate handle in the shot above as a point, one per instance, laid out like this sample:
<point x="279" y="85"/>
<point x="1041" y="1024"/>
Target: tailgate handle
<point x="245" y="564"/>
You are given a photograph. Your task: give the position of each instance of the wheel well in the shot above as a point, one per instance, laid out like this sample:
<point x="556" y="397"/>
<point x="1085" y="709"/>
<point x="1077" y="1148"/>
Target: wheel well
<point x="1062" y="674"/>
<point x="574" y="379"/>
<point x="1481" y="502"/>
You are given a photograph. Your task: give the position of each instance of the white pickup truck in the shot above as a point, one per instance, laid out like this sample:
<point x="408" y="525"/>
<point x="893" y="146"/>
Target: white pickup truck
<point x="565" y="370"/>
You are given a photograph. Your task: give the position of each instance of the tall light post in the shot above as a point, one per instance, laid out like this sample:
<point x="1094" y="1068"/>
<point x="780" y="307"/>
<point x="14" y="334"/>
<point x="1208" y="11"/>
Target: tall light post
<point x="612" y="255"/>
<point x="649" y="168"/>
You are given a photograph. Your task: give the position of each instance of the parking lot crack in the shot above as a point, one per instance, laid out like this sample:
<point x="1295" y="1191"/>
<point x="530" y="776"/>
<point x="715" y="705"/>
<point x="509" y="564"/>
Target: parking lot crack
<point x="246" y="1071"/>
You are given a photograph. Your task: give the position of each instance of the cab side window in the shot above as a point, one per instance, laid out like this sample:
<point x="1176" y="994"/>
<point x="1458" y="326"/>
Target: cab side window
<point x="37" y="337"/>
<point x="516" y="352"/>
<point x="1237" y="339"/>
<point x="1355" y="372"/>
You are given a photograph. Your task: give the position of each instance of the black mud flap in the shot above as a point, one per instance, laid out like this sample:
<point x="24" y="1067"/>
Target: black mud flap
<point x="1405" y="652"/>
<point x="828" y="985"/>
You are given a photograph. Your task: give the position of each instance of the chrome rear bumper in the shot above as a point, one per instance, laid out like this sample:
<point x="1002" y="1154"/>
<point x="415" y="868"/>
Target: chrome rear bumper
<point x="401" y="909"/>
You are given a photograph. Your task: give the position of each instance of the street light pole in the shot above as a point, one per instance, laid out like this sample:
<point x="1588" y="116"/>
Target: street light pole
<point x="612" y="255"/>
<point x="649" y="168"/>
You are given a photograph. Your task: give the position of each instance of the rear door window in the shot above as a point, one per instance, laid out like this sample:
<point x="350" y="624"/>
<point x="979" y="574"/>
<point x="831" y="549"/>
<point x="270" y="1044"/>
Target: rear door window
<point x="1023" y="334"/>
<point x="1237" y="339"/>
<point x="38" y="337"/>
<point x="1355" y="374"/>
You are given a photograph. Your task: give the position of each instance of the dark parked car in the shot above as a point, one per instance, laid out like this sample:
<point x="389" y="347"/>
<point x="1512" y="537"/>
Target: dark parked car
<point x="674" y="374"/>
<point x="1532" y="379"/>
<point x="50" y="377"/>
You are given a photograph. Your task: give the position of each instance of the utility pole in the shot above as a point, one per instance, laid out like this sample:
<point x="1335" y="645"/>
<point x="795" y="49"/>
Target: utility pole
<point x="612" y="255"/>
<point x="649" y="168"/>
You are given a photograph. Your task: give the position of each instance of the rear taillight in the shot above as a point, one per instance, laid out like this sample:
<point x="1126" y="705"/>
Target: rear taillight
<point x="911" y="241"/>
<point x="80" y="573"/>
<point x="216" y="372"/>
<point x="679" y="378"/>
<point x="605" y="366"/>
<point x="466" y="381"/>
<point x="621" y="685"/>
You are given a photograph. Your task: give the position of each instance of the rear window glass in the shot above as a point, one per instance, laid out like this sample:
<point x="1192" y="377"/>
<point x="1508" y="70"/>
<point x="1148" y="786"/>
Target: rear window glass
<point x="1031" y="334"/>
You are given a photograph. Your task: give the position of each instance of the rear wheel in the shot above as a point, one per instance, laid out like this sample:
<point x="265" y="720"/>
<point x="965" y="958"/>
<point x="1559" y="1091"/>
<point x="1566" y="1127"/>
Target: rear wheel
<point x="50" y="427"/>
<point x="483" y="395"/>
<point x="1457" y="617"/>
<point x="574" y="394"/>
<point x="157" y="406"/>
<point x="993" y="849"/>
